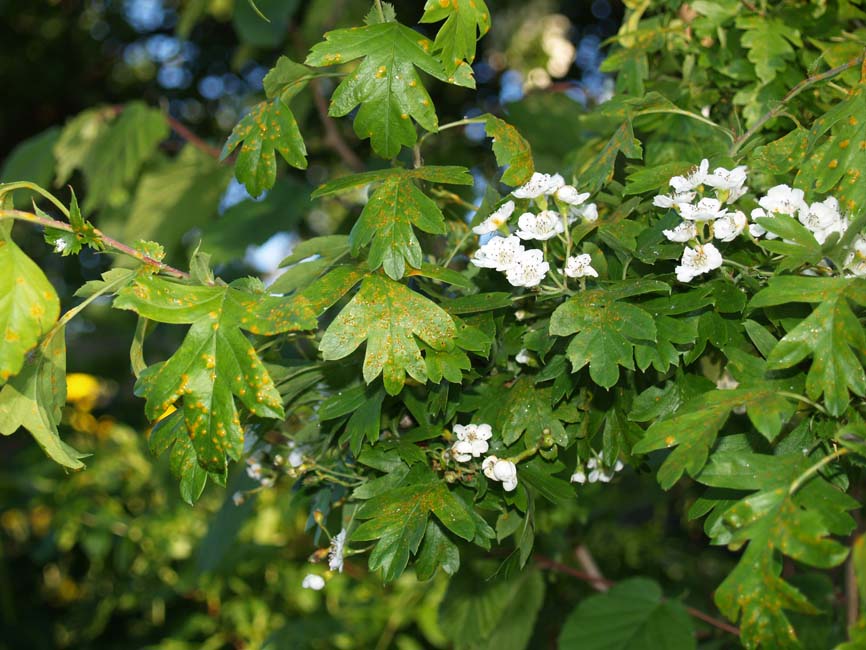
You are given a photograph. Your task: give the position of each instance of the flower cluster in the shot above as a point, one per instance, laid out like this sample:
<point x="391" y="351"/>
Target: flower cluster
<point x="471" y="441"/>
<point x="598" y="470"/>
<point x="505" y="251"/>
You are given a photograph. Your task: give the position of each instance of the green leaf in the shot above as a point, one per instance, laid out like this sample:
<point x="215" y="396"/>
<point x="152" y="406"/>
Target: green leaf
<point x="695" y="425"/>
<point x="529" y="410"/>
<point x="398" y="518"/>
<point x="386" y="224"/>
<point x="600" y="171"/>
<point x="538" y="474"/>
<point x="633" y="615"/>
<point x="170" y="433"/>
<point x="604" y="329"/>
<point x="34" y="399"/>
<point x="830" y="334"/>
<point x="388" y="315"/>
<point x="437" y="552"/>
<point x="466" y="21"/>
<point x="31" y="160"/>
<point x="511" y="150"/>
<point x="499" y="613"/>
<point x="215" y="362"/>
<point x="386" y="84"/>
<point x="263" y="23"/>
<point x="286" y="79"/>
<point x="29" y="306"/>
<point x="79" y="137"/>
<point x="268" y="128"/>
<point x="445" y="174"/>
<point x="480" y="302"/>
<point x="769" y="42"/>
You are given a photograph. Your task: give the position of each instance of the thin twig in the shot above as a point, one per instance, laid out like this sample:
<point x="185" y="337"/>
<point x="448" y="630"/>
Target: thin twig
<point x="108" y="241"/>
<point x="332" y="134"/>
<point x="602" y="584"/>
<point x="179" y="128"/>
<point x="796" y="90"/>
<point x="584" y="556"/>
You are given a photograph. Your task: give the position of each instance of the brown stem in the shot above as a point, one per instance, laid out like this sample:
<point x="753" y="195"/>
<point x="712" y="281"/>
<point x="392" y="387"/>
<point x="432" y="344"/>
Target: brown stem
<point x="584" y="557"/>
<point x="192" y="138"/>
<point x="796" y="90"/>
<point x="601" y="584"/>
<point x="108" y="241"/>
<point x="332" y="134"/>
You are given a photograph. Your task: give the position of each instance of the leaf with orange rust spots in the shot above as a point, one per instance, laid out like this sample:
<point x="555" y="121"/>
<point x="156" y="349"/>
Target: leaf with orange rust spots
<point x="216" y="362"/>
<point x="269" y="127"/>
<point x="386" y="84"/>
<point x="466" y="21"/>
<point x="28" y="306"/>
<point x="388" y="316"/>
<point x="33" y="399"/>
<point x="512" y="150"/>
<point x="386" y="224"/>
<point x="694" y="427"/>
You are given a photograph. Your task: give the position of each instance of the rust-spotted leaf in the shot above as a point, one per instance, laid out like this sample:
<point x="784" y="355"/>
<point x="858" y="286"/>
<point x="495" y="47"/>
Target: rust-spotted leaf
<point x="268" y="128"/>
<point x="511" y="150"/>
<point x="388" y="316"/>
<point x="465" y="22"/>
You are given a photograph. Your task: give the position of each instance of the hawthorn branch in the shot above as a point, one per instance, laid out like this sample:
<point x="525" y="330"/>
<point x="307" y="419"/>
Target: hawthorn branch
<point x="178" y="127"/>
<point x="602" y="584"/>
<point x="110" y="242"/>
<point x="332" y="134"/>
<point x="796" y="90"/>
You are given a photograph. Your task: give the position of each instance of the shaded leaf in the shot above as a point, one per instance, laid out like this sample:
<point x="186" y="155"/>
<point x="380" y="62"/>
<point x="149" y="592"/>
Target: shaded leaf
<point x="511" y="150"/>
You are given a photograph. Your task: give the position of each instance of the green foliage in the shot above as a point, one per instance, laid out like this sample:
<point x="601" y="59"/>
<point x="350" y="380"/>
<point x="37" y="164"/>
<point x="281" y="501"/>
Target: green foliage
<point x="511" y="150"/>
<point x="465" y="22"/>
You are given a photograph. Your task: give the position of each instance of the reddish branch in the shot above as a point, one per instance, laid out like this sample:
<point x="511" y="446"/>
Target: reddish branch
<point x="602" y="584"/>
<point x="192" y="138"/>
<point x="332" y="134"/>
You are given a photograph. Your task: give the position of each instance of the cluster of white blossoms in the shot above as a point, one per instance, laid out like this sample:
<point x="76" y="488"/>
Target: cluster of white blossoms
<point x="703" y="201"/>
<point x="472" y="443"/>
<point x="596" y="470"/>
<point x="505" y="251"/>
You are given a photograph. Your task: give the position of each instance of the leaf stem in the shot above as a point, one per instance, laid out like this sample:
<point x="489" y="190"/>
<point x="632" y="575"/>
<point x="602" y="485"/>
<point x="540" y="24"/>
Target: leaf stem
<point x="804" y="399"/>
<point x="380" y="10"/>
<point x="814" y="469"/>
<point x="110" y="242"/>
<point x="74" y="311"/>
<point x="796" y="90"/>
<point x="452" y="125"/>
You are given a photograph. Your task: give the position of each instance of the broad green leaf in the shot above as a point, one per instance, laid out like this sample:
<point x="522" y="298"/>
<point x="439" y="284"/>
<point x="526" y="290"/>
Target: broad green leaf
<point x="269" y="128"/>
<point x="538" y="474"/>
<point x="770" y="43"/>
<point x="782" y="155"/>
<point x="29" y="306"/>
<point x="695" y="425"/>
<point x="832" y="335"/>
<point x="498" y="613"/>
<point x="479" y="302"/>
<point x="511" y="150"/>
<point x="263" y="23"/>
<point x="595" y="174"/>
<point x="466" y="21"/>
<point x="31" y="160"/>
<point x="448" y="175"/>
<point x="286" y="79"/>
<point x="632" y="615"/>
<point x="215" y="362"/>
<point x="386" y="224"/>
<point x="528" y="410"/>
<point x="386" y="84"/>
<point x="34" y="398"/>
<point x="388" y="315"/>
<point x="604" y="330"/>
<point x="437" y="552"/>
<point x="78" y="137"/>
<point x="398" y="520"/>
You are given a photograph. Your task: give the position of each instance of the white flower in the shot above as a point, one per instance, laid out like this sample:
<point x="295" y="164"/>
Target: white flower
<point x="338" y="548"/>
<point x="542" y="226"/>
<point x="238" y="498"/>
<point x="528" y="269"/>
<point x="580" y="266"/>
<point x="487" y="467"/>
<point x="732" y="182"/>
<point x="855" y="262"/>
<point x="254" y="470"/>
<point x="729" y="227"/>
<point x="705" y="210"/>
<point x="672" y="200"/>
<point x="60" y="245"/>
<point x="579" y="476"/>
<point x="539" y="184"/>
<point x="588" y="213"/>
<point x="523" y="357"/>
<point x="267" y="481"/>
<point x="501" y="470"/>
<point x="471" y="441"/>
<point x="823" y="218"/>
<point x="782" y="199"/>
<point x="698" y="260"/>
<point x="683" y="184"/>
<point x="495" y="220"/>
<point x="757" y="230"/>
<point x="499" y="253"/>
<point x="682" y="233"/>
<point x="313" y="581"/>
<point x="296" y="458"/>
<point x="569" y="194"/>
<point x="600" y="471"/>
